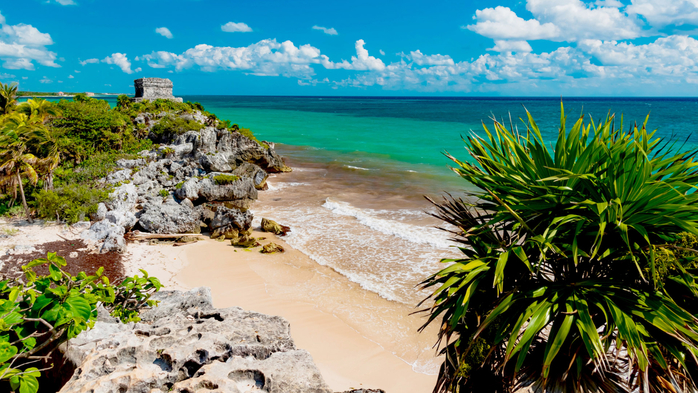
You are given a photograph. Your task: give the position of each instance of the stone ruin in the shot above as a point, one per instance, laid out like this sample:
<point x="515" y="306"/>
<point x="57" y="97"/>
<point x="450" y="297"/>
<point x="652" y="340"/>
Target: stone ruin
<point x="154" y="88"/>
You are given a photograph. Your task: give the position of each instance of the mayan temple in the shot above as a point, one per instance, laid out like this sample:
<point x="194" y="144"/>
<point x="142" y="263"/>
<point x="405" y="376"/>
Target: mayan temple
<point x="154" y="88"/>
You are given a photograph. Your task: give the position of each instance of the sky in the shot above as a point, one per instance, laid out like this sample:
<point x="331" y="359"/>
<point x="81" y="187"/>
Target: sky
<point x="355" y="48"/>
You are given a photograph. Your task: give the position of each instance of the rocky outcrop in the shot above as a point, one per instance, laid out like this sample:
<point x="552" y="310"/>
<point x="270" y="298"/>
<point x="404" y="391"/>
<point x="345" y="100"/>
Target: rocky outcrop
<point x="160" y="191"/>
<point x="169" y="217"/>
<point x="186" y="345"/>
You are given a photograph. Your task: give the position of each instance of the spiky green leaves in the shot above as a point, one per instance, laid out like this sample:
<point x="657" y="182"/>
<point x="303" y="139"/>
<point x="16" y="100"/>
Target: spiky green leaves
<point x="560" y="274"/>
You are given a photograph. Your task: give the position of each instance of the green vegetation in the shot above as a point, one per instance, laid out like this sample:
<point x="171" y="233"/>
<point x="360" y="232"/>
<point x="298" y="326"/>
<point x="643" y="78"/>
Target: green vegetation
<point x="38" y="313"/>
<point x="52" y="155"/>
<point x="164" y="193"/>
<point x="224" y="179"/>
<point x="169" y="126"/>
<point x="578" y="268"/>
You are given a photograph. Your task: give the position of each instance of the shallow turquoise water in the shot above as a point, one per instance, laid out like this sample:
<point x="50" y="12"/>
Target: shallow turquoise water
<point x="411" y="134"/>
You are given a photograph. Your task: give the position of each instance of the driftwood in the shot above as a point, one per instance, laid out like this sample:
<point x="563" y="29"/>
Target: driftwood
<point x="135" y="235"/>
<point x="182" y="244"/>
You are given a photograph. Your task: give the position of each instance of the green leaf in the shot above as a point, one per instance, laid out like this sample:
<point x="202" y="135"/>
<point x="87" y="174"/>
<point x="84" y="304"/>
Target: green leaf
<point x="79" y="307"/>
<point x="7" y="352"/>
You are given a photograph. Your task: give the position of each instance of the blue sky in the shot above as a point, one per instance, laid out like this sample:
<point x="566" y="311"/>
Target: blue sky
<point x="357" y="47"/>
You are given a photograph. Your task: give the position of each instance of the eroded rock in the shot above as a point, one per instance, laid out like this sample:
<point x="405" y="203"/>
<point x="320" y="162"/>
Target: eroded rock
<point x="186" y="345"/>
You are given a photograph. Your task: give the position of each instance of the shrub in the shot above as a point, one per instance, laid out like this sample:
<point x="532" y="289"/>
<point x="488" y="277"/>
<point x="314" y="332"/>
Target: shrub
<point x="164" y="193"/>
<point x="70" y="203"/>
<point x="170" y="126"/>
<point x="565" y="278"/>
<point x="224" y="179"/>
<point x="179" y="185"/>
<point x="38" y="313"/>
<point x="168" y="151"/>
<point x="90" y="126"/>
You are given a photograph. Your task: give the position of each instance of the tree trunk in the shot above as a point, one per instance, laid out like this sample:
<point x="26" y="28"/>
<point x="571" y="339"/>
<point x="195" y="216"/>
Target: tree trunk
<point x="48" y="185"/>
<point x="24" y="200"/>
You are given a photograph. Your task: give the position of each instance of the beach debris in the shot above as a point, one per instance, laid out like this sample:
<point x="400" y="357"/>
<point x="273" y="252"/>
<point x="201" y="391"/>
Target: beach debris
<point x="271" y="248"/>
<point x="274" y="227"/>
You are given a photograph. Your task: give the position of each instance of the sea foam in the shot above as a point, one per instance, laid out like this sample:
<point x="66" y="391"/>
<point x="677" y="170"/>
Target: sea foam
<point x="412" y="233"/>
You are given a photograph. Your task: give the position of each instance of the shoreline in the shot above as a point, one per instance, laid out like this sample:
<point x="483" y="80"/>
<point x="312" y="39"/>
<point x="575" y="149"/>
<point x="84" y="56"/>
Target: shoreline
<point x="256" y="282"/>
<point x="344" y="353"/>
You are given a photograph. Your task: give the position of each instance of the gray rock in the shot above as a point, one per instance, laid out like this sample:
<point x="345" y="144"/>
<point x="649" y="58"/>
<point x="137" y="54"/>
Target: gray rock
<point x="102" y="230"/>
<point x="113" y="242"/>
<point x="215" y="162"/>
<point x="207" y="140"/>
<point x="254" y="172"/>
<point x="169" y="218"/>
<point x="189" y="190"/>
<point x="229" y="222"/>
<point x="119" y="176"/>
<point x="187" y="203"/>
<point x="186" y="345"/>
<point x="101" y="212"/>
<point x="243" y="188"/>
<point x="122" y="218"/>
<point x="123" y="197"/>
<point x="130" y="164"/>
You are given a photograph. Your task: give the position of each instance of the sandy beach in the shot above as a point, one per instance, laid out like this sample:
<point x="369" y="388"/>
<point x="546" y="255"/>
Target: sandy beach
<point x="353" y="345"/>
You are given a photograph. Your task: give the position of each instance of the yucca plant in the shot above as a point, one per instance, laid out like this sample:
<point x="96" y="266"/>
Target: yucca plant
<point x="559" y="287"/>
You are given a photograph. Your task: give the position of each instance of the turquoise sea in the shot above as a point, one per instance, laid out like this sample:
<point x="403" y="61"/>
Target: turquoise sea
<point x="398" y="135"/>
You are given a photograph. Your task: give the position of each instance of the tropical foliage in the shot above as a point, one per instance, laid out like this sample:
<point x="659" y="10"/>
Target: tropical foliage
<point x="577" y="272"/>
<point x="39" y="312"/>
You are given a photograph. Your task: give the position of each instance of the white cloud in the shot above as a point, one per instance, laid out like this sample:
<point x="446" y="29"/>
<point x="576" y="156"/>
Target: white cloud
<point x="46" y="80"/>
<point x="501" y="23"/>
<point x="511" y="46"/>
<point x="381" y="52"/>
<point x="667" y="64"/>
<point x="88" y="61"/>
<point x="328" y="31"/>
<point x="361" y="62"/>
<point x="71" y="77"/>
<point x="21" y="45"/>
<point x="120" y="60"/>
<point x="76" y="71"/>
<point x="164" y="31"/>
<point x="660" y="13"/>
<point x="421" y="59"/>
<point x="266" y="57"/>
<point x="557" y="20"/>
<point x="65" y="2"/>
<point x="6" y="76"/>
<point x="232" y="27"/>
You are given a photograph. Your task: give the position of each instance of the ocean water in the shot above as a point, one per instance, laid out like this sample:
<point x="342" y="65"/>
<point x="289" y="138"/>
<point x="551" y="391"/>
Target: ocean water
<point x="364" y="164"/>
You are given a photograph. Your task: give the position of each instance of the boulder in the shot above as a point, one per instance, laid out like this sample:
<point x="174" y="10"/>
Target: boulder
<point x="274" y="227"/>
<point x="229" y="222"/>
<point x="122" y="218"/>
<point x="242" y="188"/>
<point x="169" y="218"/>
<point x="123" y="198"/>
<point x="271" y="248"/>
<point x="113" y="242"/>
<point x="186" y="345"/>
<point x="215" y="162"/>
<point x="254" y="172"/>
<point x="189" y="189"/>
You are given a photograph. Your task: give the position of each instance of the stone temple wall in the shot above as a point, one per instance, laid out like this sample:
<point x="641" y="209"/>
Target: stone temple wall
<point x="154" y="88"/>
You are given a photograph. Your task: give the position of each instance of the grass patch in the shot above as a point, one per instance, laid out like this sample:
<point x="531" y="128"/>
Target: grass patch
<point x="224" y="179"/>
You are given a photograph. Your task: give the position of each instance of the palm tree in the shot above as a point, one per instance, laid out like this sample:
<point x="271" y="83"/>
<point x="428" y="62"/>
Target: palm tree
<point x="39" y="110"/>
<point x="8" y="97"/>
<point x="15" y="158"/>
